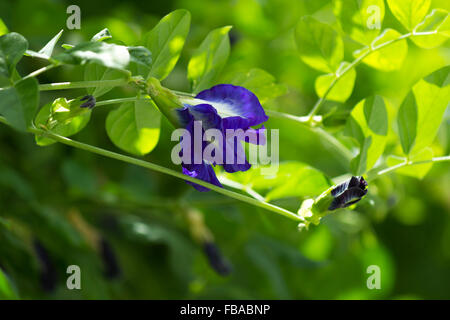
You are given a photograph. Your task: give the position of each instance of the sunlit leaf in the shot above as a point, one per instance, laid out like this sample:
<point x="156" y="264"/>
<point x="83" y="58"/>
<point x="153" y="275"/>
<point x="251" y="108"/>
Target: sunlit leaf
<point x="360" y="19"/>
<point x="319" y="44"/>
<point x="134" y="126"/>
<point x="376" y="115"/>
<point x="7" y="291"/>
<point x="369" y="126"/>
<point x="12" y="48"/>
<point x="18" y="104"/>
<point x="343" y="88"/>
<point x="390" y="56"/>
<point x="47" y="50"/>
<point x="166" y="40"/>
<point x="434" y="30"/>
<point x="409" y="12"/>
<point x="432" y="95"/>
<point x="291" y="179"/>
<point x="209" y="59"/>
<point x="407" y="122"/>
<point x="66" y="127"/>
<point x="106" y="54"/>
<point x="260" y="83"/>
<point x="3" y="28"/>
<point x="358" y="164"/>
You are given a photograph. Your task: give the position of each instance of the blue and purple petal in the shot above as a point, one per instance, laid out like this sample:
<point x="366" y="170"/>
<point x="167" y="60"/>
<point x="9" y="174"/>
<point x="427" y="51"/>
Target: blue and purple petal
<point x="224" y="107"/>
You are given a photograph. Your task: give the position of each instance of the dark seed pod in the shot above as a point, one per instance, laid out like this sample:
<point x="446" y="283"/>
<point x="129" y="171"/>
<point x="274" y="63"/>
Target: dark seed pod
<point x="348" y="193"/>
<point x="111" y="265"/>
<point x="216" y="259"/>
<point x="48" y="276"/>
<point x="90" y="102"/>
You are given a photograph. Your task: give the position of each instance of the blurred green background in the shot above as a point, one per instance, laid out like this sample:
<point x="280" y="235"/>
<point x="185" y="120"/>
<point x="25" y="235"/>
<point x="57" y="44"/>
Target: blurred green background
<point x="403" y="225"/>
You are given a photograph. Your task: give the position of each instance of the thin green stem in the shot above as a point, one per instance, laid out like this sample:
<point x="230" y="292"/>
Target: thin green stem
<point x="161" y="169"/>
<point x="41" y="70"/>
<point x="407" y="163"/>
<point x="82" y="84"/>
<point x="120" y="100"/>
<point x="369" y="50"/>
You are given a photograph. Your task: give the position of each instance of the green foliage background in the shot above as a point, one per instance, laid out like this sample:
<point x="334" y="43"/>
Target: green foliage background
<point x="403" y="225"/>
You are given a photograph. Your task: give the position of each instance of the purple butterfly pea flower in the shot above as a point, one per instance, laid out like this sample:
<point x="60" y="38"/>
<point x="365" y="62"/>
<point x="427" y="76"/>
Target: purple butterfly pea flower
<point x="223" y="107"/>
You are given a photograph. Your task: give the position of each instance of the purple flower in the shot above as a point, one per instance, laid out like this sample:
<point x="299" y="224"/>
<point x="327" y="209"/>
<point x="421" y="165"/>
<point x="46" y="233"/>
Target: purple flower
<point x="232" y="110"/>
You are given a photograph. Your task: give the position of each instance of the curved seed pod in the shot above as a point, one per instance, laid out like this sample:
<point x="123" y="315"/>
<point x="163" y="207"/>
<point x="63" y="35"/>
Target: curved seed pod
<point x="111" y="265"/>
<point x="48" y="275"/>
<point x="216" y="260"/>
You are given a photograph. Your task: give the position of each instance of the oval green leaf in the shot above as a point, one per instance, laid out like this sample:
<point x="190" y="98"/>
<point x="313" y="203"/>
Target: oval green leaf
<point x="390" y="56"/>
<point x="433" y="31"/>
<point x="409" y="12"/>
<point x="209" y="59"/>
<point x="135" y="126"/>
<point x="165" y="41"/>
<point x="343" y="88"/>
<point x="18" y="104"/>
<point x="407" y="122"/>
<point x="12" y="48"/>
<point x="360" y="19"/>
<point x="319" y="44"/>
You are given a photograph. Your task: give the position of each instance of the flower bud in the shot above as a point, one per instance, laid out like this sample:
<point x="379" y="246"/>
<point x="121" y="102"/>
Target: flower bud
<point x="340" y="196"/>
<point x="166" y="101"/>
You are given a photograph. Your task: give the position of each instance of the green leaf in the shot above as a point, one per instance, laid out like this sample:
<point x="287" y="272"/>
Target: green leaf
<point x="388" y="58"/>
<point x="353" y="130"/>
<point x="68" y="127"/>
<point x="407" y="122"/>
<point x="108" y="55"/>
<point x="140" y="55"/>
<point x="166" y="40"/>
<point x="360" y="19"/>
<point x="359" y="164"/>
<point x="94" y="71"/>
<point x="134" y="126"/>
<point x="7" y="291"/>
<point x="319" y="44"/>
<point x="3" y="28"/>
<point x="12" y="48"/>
<point x="376" y="115"/>
<point x="432" y="95"/>
<point x="343" y="88"/>
<point x="140" y="61"/>
<point x="433" y="31"/>
<point x="47" y="50"/>
<point x="409" y="12"/>
<point x="292" y="179"/>
<point x="368" y="124"/>
<point x="209" y="59"/>
<point x="260" y="82"/>
<point x="18" y="104"/>
<point x="102" y="35"/>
